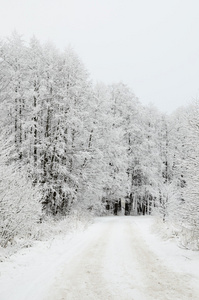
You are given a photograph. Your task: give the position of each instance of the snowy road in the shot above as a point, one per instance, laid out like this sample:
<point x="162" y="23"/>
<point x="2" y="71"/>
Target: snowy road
<point x="116" y="263"/>
<point x="116" y="258"/>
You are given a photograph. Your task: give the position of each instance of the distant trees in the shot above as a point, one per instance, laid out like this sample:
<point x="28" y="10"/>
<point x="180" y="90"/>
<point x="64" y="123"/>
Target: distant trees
<point x="177" y="203"/>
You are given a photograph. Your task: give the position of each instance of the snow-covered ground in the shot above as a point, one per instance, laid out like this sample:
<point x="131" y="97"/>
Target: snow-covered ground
<point x="114" y="258"/>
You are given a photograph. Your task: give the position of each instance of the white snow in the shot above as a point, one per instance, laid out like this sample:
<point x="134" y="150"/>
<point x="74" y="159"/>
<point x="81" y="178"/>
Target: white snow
<point x="117" y="257"/>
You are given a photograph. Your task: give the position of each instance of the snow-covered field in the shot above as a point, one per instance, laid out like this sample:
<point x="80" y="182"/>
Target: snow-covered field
<point x="114" y="258"/>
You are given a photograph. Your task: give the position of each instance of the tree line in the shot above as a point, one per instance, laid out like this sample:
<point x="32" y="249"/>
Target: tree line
<point x="77" y="143"/>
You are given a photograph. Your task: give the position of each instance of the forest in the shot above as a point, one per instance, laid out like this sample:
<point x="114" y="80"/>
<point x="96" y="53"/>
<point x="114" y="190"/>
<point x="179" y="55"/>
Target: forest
<point x="70" y="145"/>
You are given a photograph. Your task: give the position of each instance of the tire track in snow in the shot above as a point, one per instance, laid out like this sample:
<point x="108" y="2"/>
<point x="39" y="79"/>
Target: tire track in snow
<point x="159" y="282"/>
<point x="82" y="277"/>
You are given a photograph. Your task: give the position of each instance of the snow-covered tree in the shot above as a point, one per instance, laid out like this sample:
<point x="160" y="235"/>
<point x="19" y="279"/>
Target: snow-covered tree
<point x="189" y="209"/>
<point x="20" y="207"/>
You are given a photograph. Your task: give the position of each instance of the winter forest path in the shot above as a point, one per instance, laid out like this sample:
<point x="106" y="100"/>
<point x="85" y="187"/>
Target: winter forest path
<point x="117" y="264"/>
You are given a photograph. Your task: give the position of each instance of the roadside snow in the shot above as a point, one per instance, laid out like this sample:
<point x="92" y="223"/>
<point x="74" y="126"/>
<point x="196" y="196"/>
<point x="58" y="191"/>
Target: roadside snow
<point x="28" y="274"/>
<point x="114" y="258"/>
<point x="179" y="260"/>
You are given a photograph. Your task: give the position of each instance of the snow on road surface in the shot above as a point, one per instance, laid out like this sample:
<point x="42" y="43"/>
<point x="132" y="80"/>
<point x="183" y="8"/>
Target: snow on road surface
<point x="115" y="258"/>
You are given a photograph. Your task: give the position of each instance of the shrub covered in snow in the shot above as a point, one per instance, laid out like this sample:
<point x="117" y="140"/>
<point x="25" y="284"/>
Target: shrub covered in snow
<point x="20" y="209"/>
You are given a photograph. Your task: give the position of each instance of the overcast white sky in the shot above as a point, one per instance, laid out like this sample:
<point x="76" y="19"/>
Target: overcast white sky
<point x="151" y="45"/>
